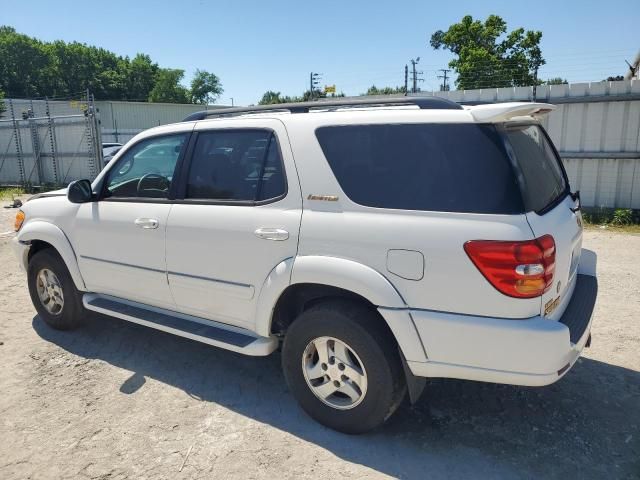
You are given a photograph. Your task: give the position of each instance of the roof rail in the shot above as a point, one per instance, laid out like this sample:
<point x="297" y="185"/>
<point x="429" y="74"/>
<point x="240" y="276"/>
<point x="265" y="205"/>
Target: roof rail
<point x="305" y="107"/>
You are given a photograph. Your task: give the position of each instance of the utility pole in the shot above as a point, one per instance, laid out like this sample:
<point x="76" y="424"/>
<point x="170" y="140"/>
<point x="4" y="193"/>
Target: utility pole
<point x="414" y="75"/>
<point x="314" y="81"/>
<point x="406" y="79"/>
<point x="445" y="85"/>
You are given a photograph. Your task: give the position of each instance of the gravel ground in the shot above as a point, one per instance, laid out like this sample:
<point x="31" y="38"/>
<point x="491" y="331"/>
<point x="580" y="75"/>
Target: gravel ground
<point x="116" y="400"/>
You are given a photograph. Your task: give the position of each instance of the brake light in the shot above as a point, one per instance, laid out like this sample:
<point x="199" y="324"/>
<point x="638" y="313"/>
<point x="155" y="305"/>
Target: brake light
<point x="519" y="269"/>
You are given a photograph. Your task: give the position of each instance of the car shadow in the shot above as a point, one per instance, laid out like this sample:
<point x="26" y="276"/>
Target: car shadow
<point x="585" y="426"/>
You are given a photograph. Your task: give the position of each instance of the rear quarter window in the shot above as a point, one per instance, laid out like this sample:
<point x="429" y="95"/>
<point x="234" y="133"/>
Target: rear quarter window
<point x="431" y="167"/>
<point x="540" y="171"/>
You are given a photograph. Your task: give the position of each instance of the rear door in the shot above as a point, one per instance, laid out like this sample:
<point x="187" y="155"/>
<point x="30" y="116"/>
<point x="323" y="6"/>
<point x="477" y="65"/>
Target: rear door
<point x="551" y="208"/>
<point x="237" y="219"/>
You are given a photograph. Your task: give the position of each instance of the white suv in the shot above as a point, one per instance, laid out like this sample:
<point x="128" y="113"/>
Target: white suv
<point x="378" y="242"/>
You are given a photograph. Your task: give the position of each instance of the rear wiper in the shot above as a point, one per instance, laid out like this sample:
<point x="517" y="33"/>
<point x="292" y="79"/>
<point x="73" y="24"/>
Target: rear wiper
<point x="575" y="196"/>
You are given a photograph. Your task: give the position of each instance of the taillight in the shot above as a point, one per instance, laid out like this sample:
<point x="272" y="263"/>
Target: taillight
<point x="518" y="269"/>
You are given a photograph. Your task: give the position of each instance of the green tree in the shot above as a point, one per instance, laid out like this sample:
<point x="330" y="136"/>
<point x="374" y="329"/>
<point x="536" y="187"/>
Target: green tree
<point x="205" y="87"/>
<point x="270" y="98"/>
<point x="556" y="81"/>
<point x="167" y="88"/>
<point x="26" y="68"/>
<point x="615" y="78"/>
<point x="78" y="67"/>
<point x="373" y="90"/>
<point x="32" y="68"/>
<point x="2" y="106"/>
<point x="141" y="77"/>
<point x="489" y="56"/>
<point x="309" y="95"/>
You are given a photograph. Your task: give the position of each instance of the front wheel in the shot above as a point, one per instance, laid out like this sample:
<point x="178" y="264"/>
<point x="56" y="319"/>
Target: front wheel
<point x="53" y="292"/>
<point x="343" y="366"/>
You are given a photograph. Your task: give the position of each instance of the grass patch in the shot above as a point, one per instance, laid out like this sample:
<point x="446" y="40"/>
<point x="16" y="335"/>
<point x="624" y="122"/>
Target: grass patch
<point x="7" y="193"/>
<point x="619" y="217"/>
<point x="613" y="228"/>
<point x="622" y="220"/>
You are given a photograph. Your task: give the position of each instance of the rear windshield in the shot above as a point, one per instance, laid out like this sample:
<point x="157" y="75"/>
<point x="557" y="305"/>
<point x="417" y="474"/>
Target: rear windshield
<point x="435" y="167"/>
<point x="543" y="181"/>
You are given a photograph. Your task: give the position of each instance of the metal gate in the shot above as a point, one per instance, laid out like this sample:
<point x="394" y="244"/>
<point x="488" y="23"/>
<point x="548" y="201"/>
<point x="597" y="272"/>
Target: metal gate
<point x="46" y="143"/>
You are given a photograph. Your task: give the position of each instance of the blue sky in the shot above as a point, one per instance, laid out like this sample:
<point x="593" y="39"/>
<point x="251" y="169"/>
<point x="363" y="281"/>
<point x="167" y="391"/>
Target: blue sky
<point x="256" y="46"/>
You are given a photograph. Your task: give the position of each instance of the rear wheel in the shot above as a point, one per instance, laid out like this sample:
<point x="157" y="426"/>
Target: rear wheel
<point x="342" y="365"/>
<point x="53" y="292"/>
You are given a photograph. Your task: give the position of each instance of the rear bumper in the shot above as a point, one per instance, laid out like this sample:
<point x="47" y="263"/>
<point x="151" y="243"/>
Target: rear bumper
<point x="535" y="351"/>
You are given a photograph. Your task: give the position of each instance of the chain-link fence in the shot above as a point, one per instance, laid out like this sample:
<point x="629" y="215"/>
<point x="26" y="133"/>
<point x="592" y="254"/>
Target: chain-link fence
<point x="46" y="143"/>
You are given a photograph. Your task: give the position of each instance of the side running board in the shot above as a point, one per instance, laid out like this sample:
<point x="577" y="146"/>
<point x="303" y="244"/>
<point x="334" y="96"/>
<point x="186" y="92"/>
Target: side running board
<point x="195" y="328"/>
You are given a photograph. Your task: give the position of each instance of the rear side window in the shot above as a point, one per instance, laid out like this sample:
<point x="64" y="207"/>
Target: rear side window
<point x="241" y="165"/>
<point x="542" y="178"/>
<point x="435" y="167"/>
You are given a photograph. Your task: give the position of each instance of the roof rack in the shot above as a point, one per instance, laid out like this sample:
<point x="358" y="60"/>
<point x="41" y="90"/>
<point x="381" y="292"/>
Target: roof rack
<point x="305" y="107"/>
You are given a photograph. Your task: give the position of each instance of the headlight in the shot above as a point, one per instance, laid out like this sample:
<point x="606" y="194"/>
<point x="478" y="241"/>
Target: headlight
<point x="19" y="220"/>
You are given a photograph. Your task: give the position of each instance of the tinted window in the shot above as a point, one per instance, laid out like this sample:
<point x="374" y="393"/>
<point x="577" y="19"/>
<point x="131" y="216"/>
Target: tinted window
<point x="146" y="169"/>
<point x="236" y="165"/>
<point x="436" y="167"/>
<point x="542" y="178"/>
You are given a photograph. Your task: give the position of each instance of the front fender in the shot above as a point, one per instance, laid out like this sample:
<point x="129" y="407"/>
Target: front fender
<point x="50" y="233"/>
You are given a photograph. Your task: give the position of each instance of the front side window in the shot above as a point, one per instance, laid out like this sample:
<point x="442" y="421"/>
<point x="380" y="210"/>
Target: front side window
<point x="236" y="165"/>
<point x="146" y="169"/>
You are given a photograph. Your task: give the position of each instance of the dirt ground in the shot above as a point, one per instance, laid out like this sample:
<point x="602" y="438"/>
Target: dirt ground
<point x="116" y="400"/>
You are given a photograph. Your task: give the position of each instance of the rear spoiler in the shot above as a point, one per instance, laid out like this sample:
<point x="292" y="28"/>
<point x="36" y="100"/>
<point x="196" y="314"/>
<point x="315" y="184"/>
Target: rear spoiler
<point x="501" y="112"/>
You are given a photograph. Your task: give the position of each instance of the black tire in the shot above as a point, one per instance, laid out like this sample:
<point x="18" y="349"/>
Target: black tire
<point x="364" y="332"/>
<point x="72" y="312"/>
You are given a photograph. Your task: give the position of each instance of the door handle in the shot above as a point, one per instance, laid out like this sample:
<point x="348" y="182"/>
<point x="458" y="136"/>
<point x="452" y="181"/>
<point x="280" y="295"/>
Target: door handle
<point x="277" y="234"/>
<point x="147" y="223"/>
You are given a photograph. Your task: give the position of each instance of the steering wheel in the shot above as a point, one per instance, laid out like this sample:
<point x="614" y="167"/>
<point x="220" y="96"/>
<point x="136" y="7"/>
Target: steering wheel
<point x="164" y="184"/>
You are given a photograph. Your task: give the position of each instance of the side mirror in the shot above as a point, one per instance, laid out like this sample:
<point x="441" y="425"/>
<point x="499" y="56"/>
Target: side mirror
<point x="80" y="191"/>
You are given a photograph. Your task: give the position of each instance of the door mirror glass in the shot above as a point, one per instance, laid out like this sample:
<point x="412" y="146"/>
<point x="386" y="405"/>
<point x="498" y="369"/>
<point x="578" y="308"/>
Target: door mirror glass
<point x="80" y="191"/>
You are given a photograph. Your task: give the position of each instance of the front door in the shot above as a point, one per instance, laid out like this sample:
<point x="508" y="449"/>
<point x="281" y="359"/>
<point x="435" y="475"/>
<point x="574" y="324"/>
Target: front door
<point x="120" y="239"/>
<point x="238" y="219"/>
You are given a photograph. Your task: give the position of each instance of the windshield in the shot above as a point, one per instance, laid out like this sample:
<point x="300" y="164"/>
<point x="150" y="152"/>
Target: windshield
<point x="541" y="176"/>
